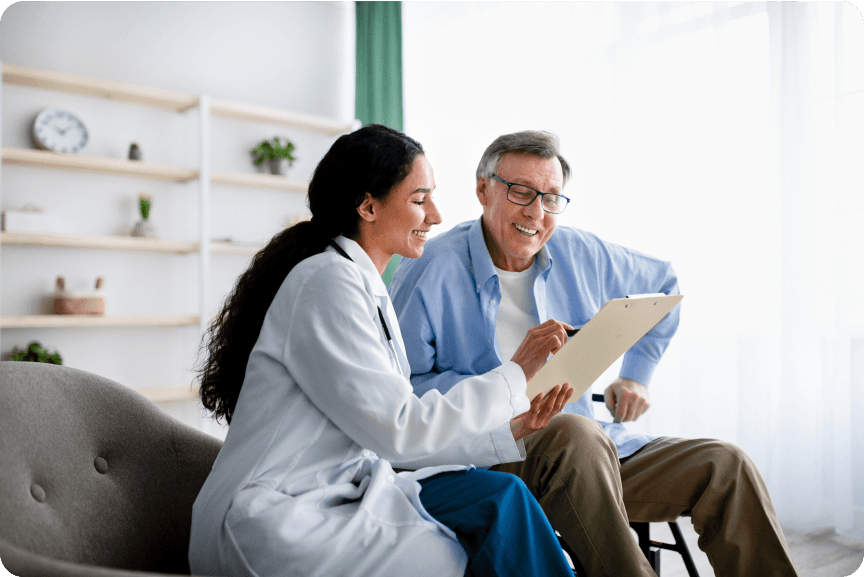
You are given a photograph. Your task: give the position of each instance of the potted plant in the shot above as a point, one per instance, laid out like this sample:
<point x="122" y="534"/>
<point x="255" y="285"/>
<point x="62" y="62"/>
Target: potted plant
<point x="35" y="353"/>
<point x="279" y="156"/>
<point x="143" y="227"/>
<point x="134" y="151"/>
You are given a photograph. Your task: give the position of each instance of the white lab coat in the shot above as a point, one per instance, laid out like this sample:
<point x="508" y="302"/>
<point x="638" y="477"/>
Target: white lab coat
<point x="304" y="484"/>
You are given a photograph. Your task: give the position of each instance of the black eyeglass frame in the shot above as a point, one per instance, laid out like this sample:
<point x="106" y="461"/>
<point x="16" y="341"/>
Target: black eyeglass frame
<point x="537" y="193"/>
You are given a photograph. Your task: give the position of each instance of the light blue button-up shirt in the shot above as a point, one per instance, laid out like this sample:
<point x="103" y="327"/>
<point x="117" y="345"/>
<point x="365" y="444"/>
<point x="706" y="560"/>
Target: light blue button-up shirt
<point x="447" y="302"/>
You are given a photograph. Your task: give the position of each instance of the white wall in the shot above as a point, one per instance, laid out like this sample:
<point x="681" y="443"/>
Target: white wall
<point x="290" y="55"/>
<point x="726" y="137"/>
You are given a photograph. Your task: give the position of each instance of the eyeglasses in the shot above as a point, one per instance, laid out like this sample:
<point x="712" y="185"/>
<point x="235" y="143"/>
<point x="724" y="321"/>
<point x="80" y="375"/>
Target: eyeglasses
<point x="525" y="195"/>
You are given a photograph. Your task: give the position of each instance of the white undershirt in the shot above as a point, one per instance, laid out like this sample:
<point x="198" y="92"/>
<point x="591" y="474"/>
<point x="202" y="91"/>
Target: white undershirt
<point x="516" y="310"/>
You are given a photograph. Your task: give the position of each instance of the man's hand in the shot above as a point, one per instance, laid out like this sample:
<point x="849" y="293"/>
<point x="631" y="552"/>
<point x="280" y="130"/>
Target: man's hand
<point x="538" y="343"/>
<point x="626" y="399"/>
<point x="543" y="408"/>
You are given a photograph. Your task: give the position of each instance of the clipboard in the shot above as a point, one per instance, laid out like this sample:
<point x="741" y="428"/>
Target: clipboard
<point x="600" y="342"/>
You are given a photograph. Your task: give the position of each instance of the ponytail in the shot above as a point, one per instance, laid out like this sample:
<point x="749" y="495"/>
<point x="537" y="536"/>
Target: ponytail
<point x="370" y="160"/>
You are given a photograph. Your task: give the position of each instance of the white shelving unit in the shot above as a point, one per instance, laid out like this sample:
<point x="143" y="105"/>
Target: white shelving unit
<point x="172" y="101"/>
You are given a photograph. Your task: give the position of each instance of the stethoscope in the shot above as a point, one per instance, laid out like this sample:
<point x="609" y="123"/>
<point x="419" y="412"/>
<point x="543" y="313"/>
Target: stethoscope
<point x="380" y="313"/>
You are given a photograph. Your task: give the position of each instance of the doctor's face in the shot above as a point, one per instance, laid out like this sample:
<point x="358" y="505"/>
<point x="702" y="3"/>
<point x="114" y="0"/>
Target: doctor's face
<point x="409" y="212"/>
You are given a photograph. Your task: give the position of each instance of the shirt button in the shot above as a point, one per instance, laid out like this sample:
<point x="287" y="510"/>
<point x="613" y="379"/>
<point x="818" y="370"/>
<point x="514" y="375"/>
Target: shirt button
<point x="391" y="479"/>
<point x="366" y="453"/>
<point x="492" y="302"/>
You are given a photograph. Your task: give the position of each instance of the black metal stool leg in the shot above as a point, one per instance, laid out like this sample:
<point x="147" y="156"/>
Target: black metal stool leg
<point x="647" y="546"/>
<point x="578" y="570"/>
<point x="681" y="547"/>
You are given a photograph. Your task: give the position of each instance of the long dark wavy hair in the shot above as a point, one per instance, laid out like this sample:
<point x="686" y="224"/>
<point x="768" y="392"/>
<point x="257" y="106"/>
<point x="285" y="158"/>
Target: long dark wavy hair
<point x="373" y="159"/>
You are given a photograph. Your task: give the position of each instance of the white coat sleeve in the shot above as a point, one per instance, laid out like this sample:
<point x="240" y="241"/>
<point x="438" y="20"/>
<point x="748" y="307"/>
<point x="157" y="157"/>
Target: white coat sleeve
<point x="336" y="352"/>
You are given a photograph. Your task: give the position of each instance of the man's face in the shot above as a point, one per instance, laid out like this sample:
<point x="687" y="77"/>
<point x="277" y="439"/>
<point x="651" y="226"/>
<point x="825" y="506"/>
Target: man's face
<point x="514" y="234"/>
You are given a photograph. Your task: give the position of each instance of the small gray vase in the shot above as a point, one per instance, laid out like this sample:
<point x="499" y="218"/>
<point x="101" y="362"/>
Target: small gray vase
<point x="279" y="166"/>
<point x="143" y="228"/>
<point x="134" y="152"/>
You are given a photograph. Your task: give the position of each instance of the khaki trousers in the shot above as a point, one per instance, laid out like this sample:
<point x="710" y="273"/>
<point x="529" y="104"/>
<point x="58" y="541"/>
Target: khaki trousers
<point x="589" y="497"/>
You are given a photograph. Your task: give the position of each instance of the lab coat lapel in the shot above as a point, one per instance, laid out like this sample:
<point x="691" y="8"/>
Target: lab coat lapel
<point x="379" y="294"/>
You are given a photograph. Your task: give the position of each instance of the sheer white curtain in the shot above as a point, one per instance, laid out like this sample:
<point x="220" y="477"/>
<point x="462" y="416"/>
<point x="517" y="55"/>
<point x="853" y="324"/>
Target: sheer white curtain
<point x="727" y="138"/>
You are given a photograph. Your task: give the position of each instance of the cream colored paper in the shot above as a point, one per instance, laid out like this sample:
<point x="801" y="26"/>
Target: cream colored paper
<point x="615" y="328"/>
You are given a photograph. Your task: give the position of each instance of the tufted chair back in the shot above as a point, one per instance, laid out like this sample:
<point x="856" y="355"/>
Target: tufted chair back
<point x="93" y="473"/>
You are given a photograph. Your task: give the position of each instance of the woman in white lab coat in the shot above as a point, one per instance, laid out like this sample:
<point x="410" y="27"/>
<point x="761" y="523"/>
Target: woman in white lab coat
<point x="332" y="466"/>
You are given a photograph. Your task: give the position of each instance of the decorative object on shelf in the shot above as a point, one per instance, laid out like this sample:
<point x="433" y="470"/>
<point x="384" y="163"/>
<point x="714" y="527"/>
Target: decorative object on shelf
<point x="134" y="151"/>
<point x="59" y="131"/>
<point x="60" y="290"/>
<point x="31" y="218"/>
<point x="66" y="303"/>
<point x="279" y="156"/>
<point x="143" y="227"/>
<point x="99" y="291"/>
<point x="36" y="353"/>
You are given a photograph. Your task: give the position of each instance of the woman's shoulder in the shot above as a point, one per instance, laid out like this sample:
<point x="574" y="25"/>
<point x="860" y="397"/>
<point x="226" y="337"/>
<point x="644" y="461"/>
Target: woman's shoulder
<point x="326" y="273"/>
<point x="322" y="286"/>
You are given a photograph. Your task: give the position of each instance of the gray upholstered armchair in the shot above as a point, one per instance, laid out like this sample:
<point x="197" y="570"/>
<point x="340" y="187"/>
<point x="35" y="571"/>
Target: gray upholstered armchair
<point x="94" y="479"/>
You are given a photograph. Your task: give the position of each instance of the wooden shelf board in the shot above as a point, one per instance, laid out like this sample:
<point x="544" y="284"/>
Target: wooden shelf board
<point x="82" y="321"/>
<point x="47" y="159"/>
<point x="129" y="243"/>
<point x="255" y="113"/>
<point x="232" y="248"/>
<point x="169" y="394"/>
<point x="257" y="180"/>
<point x="122" y="91"/>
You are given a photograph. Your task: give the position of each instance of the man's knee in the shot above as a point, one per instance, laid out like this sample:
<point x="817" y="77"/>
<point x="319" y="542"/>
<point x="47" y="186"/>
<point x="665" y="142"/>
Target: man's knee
<point x="729" y="459"/>
<point x="577" y="439"/>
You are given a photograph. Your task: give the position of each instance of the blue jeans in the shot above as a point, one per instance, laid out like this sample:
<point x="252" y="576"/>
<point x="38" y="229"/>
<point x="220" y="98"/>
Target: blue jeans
<point x="498" y="522"/>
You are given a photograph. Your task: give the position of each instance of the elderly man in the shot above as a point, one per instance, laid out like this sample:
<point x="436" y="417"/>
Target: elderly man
<point x="512" y="279"/>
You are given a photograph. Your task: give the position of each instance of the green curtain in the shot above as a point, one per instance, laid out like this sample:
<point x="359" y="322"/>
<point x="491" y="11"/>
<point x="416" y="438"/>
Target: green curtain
<point x="379" y="63"/>
<point x="379" y="72"/>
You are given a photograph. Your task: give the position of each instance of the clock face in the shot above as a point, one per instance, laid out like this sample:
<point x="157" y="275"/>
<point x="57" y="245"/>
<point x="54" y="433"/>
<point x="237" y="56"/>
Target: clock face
<point x="59" y="131"/>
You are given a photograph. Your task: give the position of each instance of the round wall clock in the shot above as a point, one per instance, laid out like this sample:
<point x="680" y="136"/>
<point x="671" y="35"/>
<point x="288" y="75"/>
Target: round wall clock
<point x="59" y="131"/>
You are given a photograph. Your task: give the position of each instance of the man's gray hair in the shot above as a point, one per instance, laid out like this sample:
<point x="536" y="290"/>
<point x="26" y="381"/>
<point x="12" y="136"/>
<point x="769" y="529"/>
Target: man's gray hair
<point x="537" y="142"/>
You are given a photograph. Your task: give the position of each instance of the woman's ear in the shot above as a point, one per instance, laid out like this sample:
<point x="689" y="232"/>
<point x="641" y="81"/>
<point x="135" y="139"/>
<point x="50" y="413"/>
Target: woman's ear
<point x="366" y="210"/>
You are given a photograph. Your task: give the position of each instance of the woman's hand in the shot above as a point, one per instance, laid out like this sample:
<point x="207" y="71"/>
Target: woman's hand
<point x="538" y="344"/>
<point x="543" y="408"/>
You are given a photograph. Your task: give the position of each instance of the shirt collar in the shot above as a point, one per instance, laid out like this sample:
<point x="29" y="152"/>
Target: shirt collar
<point x="481" y="262"/>
<point x="362" y="260"/>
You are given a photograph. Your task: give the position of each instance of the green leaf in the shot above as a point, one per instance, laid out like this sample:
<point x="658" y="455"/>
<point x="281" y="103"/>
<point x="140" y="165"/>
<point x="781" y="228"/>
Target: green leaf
<point x="35" y="353"/>
<point x="268" y="151"/>
<point x="144" y="207"/>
